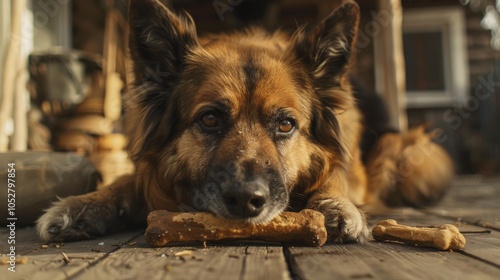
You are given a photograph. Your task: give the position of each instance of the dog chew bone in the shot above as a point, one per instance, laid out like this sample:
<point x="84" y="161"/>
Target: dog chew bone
<point x="307" y="227"/>
<point x="445" y="237"/>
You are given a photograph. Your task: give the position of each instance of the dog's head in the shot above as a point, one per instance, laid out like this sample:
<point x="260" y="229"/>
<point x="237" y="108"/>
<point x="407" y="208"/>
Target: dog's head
<point x="233" y="123"/>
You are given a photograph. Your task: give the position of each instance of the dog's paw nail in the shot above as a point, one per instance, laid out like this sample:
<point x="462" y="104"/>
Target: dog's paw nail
<point x="54" y="229"/>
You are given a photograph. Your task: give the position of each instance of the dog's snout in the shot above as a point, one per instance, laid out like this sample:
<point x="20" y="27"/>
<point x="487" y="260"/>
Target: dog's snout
<point x="247" y="199"/>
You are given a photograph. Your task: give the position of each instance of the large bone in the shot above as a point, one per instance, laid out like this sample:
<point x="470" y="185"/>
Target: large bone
<point x="305" y="227"/>
<point x="445" y="237"/>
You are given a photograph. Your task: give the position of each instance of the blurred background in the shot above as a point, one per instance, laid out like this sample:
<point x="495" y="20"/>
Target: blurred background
<point x="64" y="67"/>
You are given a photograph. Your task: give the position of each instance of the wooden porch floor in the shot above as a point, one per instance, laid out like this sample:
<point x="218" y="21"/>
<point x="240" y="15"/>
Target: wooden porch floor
<point x="473" y="205"/>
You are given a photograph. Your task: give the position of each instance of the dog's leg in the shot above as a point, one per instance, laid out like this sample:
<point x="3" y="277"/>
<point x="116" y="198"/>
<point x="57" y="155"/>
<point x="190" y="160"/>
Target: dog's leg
<point x="343" y="220"/>
<point x="94" y="214"/>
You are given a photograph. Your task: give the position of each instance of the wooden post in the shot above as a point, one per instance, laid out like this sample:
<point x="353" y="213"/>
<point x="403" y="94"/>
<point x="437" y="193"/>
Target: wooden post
<point x="19" y="140"/>
<point x="12" y="57"/>
<point x="113" y="83"/>
<point x="5" y="14"/>
<point x="389" y="62"/>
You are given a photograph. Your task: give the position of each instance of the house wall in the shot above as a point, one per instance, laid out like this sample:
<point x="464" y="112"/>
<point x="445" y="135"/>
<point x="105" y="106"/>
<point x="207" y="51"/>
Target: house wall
<point x="470" y="131"/>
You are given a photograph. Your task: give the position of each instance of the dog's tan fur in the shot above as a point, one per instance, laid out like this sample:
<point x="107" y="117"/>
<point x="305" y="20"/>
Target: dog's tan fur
<point x="250" y="82"/>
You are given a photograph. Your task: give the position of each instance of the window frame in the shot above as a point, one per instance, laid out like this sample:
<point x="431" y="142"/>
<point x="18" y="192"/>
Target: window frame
<point x="450" y="21"/>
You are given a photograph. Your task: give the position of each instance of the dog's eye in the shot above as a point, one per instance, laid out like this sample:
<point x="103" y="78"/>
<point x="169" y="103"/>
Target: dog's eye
<point x="210" y="120"/>
<point x="286" y="126"/>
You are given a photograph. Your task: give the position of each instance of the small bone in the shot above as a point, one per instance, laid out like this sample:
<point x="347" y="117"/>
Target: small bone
<point x="305" y="227"/>
<point x="445" y="237"/>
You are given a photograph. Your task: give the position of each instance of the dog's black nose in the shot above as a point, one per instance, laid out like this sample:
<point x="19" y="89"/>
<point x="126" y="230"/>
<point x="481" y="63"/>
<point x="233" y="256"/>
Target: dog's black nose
<point x="247" y="199"/>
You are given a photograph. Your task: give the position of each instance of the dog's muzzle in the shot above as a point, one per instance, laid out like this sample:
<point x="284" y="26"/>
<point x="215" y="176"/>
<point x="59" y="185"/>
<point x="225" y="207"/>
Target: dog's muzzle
<point x="246" y="199"/>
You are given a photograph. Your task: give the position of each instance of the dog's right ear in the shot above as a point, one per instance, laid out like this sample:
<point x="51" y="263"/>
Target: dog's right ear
<point x="327" y="49"/>
<point x="159" y="41"/>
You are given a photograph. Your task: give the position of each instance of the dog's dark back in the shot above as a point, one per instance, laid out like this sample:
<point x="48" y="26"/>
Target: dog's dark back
<point x="375" y="116"/>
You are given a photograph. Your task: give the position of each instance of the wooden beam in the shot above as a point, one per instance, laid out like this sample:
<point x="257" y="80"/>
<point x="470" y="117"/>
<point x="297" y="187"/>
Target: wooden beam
<point x="4" y="32"/>
<point x="11" y="62"/>
<point x="19" y="140"/>
<point x="389" y="62"/>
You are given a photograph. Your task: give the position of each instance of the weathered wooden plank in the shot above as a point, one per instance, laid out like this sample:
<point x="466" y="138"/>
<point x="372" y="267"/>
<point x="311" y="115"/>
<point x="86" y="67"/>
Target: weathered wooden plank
<point x="46" y="262"/>
<point x="474" y="201"/>
<point x="26" y="240"/>
<point x="375" y="260"/>
<point x="468" y="201"/>
<point x="265" y="263"/>
<point x="213" y="262"/>
<point x="484" y="246"/>
<point x="147" y="263"/>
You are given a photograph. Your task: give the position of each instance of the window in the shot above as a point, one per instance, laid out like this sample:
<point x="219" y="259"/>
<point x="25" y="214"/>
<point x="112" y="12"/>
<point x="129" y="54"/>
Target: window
<point x="435" y="57"/>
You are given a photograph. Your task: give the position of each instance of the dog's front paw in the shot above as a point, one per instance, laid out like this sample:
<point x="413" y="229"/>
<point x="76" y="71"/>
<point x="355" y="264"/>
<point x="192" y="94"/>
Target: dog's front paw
<point x="343" y="220"/>
<point x="75" y="218"/>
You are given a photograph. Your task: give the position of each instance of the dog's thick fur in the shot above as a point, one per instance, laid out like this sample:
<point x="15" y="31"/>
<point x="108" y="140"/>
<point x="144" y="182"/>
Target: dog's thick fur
<point x="269" y="113"/>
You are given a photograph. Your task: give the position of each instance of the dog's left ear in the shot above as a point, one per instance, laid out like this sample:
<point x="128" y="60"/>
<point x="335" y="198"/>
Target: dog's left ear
<point x="326" y="51"/>
<point x="159" y="41"/>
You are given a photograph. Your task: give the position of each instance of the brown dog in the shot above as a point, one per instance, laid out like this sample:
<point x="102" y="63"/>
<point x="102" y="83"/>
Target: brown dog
<point x="247" y="125"/>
